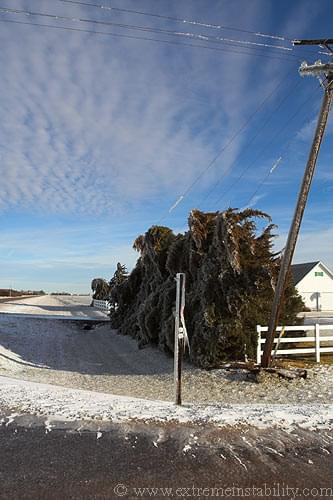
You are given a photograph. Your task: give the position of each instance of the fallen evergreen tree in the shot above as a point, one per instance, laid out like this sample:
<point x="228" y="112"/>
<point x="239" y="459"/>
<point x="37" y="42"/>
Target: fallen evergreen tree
<point x="230" y="275"/>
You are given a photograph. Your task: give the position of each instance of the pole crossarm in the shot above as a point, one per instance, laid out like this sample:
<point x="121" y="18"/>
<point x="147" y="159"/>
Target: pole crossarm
<point x="318" y="41"/>
<point x="321" y="42"/>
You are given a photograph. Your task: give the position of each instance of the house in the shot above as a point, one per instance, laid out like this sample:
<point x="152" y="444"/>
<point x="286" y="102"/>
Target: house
<point x="314" y="282"/>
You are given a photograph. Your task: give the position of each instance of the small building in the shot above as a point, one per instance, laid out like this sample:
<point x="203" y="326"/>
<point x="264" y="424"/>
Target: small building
<point x="314" y="282"/>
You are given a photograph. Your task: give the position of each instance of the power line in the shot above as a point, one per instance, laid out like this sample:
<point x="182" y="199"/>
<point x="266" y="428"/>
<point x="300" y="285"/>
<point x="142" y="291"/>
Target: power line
<point x="181" y="20"/>
<point x="201" y="37"/>
<point x="275" y="165"/>
<point x="270" y="171"/>
<point x="254" y="53"/>
<point x="228" y="143"/>
<point x="243" y="172"/>
<point x="17" y="11"/>
<point x="168" y="42"/>
<point x="185" y="21"/>
<point x="263" y="125"/>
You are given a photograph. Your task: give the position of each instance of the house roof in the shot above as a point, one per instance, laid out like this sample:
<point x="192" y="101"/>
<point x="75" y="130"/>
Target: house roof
<point x="301" y="270"/>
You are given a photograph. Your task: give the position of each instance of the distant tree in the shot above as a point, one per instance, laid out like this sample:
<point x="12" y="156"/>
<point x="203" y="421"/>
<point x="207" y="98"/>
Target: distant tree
<point x="119" y="277"/>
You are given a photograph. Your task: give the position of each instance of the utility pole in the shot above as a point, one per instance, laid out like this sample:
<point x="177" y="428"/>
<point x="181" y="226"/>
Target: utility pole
<point x="317" y="69"/>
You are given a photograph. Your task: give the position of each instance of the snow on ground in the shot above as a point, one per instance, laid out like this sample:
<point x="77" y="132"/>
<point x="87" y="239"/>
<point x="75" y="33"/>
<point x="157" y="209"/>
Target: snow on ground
<point x="53" y="305"/>
<point x="70" y="404"/>
<point x="65" y="353"/>
<point x="81" y="355"/>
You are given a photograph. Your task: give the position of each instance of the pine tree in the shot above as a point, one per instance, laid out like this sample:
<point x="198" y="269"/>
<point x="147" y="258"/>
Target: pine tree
<point x="230" y="277"/>
<point x="119" y="276"/>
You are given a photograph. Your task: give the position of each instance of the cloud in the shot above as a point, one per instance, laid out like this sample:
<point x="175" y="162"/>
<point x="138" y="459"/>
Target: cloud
<point x="307" y="131"/>
<point x="106" y="133"/>
<point x="311" y="246"/>
<point x="70" y="255"/>
<point x="253" y="201"/>
<point x="94" y="125"/>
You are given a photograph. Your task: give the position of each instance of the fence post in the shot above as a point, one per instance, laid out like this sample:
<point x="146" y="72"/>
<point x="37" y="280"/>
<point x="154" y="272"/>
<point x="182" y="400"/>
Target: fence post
<point x="259" y="344"/>
<point x="317" y="335"/>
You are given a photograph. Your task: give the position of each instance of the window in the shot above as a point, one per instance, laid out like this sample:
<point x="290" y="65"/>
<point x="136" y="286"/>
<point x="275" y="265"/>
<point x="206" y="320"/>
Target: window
<point x="319" y="273"/>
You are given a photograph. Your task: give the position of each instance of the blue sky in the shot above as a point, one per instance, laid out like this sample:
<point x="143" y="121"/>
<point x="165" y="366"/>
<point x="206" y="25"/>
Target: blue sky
<point x="100" y="135"/>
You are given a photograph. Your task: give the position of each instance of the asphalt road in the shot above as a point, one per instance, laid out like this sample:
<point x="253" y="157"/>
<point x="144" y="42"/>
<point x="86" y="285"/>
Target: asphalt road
<point x="123" y="461"/>
<point x="66" y="306"/>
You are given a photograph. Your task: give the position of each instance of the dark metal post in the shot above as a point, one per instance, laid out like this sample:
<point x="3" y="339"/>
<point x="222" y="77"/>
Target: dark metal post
<point x="179" y="337"/>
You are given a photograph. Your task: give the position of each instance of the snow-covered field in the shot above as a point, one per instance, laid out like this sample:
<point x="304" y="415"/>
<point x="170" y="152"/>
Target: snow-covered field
<point x="76" y="355"/>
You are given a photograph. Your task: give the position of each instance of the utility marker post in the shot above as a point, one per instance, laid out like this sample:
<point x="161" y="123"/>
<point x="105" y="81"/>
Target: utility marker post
<point x="316" y="69"/>
<point x="180" y="336"/>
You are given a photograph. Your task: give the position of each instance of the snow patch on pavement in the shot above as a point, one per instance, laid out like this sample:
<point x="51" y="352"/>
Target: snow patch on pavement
<point x="60" y="403"/>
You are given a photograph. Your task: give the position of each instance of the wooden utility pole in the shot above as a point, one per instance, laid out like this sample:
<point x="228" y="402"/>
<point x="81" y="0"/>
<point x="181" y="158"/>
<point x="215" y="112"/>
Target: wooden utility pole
<point x="316" y="69"/>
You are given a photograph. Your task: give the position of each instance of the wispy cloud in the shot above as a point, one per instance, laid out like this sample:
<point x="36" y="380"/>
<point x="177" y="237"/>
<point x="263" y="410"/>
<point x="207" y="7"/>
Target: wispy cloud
<point x="92" y="124"/>
<point x="117" y="129"/>
<point x="65" y="257"/>
<point x="311" y="246"/>
<point x="307" y="131"/>
<point x="254" y="200"/>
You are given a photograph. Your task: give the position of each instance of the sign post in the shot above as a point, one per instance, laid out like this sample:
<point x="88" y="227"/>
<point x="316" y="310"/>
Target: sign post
<point x="180" y="336"/>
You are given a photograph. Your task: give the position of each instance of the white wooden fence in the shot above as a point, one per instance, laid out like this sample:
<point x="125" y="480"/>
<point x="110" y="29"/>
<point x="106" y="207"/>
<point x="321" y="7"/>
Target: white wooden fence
<point x="102" y="305"/>
<point x="314" y="340"/>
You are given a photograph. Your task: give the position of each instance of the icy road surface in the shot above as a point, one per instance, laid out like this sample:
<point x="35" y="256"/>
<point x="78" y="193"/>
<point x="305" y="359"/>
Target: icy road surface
<point x="51" y="305"/>
<point x="83" y="355"/>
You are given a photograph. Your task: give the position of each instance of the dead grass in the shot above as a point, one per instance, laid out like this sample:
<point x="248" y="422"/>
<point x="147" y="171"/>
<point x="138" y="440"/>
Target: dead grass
<point x="304" y="362"/>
